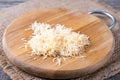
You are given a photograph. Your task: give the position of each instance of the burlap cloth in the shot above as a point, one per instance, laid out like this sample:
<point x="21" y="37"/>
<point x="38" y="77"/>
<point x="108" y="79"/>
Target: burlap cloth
<point x="9" y="14"/>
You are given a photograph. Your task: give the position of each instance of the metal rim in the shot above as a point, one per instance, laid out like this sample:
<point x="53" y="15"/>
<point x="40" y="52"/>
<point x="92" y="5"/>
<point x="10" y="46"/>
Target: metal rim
<point x="114" y="21"/>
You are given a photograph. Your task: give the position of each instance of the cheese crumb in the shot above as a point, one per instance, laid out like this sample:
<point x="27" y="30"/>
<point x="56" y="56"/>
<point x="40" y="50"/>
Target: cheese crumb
<point x="56" y="41"/>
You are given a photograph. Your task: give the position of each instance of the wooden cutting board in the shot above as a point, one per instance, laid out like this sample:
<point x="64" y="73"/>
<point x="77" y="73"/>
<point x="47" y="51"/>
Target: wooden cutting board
<point x="102" y="43"/>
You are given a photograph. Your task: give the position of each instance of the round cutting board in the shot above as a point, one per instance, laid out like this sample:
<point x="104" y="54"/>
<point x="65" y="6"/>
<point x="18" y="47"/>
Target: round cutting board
<point x="97" y="54"/>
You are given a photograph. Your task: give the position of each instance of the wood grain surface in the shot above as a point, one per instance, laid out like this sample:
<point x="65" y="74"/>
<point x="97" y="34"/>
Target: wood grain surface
<point x="113" y="3"/>
<point x="96" y="56"/>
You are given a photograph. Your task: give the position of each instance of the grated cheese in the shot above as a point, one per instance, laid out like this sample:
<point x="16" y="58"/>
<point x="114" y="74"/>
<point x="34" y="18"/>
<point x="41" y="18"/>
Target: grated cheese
<point x="56" y="41"/>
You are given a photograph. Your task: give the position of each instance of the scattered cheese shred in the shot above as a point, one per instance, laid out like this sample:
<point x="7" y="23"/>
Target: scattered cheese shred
<point x="56" y="41"/>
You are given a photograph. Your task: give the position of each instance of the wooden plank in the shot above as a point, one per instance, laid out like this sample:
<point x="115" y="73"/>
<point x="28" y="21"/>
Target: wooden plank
<point x="9" y="3"/>
<point x="3" y="76"/>
<point x="114" y="77"/>
<point x="113" y="3"/>
<point x="13" y="0"/>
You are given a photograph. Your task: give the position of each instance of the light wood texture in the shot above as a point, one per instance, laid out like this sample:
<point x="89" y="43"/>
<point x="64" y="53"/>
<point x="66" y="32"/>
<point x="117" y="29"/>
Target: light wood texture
<point x="102" y="43"/>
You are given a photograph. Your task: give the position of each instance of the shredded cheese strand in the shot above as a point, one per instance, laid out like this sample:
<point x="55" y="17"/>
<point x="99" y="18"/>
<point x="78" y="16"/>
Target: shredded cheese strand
<point x="56" y="41"/>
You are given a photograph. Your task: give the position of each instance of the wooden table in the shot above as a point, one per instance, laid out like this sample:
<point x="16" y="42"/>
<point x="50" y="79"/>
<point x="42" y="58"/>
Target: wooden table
<point x="9" y="3"/>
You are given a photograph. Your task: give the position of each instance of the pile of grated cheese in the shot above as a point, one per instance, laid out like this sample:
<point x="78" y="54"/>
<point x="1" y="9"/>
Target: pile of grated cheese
<point x="57" y="41"/>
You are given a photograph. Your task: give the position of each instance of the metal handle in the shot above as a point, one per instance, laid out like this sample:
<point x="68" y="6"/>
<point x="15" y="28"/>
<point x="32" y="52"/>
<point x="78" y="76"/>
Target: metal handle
<point x="114" y="21"/>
